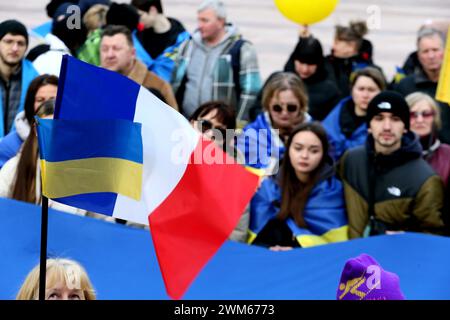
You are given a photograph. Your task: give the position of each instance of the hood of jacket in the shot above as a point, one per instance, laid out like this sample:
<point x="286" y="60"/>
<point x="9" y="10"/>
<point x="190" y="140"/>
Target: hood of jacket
<point x="410" y="149"/>
<point x="22" y="125"/>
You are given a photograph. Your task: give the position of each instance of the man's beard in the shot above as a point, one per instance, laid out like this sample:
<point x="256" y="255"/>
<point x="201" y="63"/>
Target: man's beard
<point x="387" y="143"/>
<point x="12" y="65"/>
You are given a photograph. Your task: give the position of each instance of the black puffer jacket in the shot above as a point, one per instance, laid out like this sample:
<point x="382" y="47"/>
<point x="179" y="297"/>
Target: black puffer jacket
<point x="406" y="193"/>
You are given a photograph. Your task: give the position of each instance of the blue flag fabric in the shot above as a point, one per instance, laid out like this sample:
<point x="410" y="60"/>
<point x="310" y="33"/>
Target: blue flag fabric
<point x="87" y="93"/>
<point x="122" y="265"/>
<point x="89" y="156"/>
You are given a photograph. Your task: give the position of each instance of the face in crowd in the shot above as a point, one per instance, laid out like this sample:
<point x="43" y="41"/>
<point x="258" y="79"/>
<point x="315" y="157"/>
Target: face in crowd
<point x="148" y="18"/>
<point x="344" y="49"/>
<point x="216" y="121"/>
<point x="210" y="26"/>
<point x="430" y="53"/>
<point x="60" y="291"/>
<point x="116" y="54"/>
<point x="207" y="124"/>
<point x="363" y="90"/>
<point x="66" y="280"/>
<point x="285" y="109"/>
<point x="12" y="49"/>
<point x="305" y="153"/>
<point x="305" y="70"/>
<point x="44" y="93"/>
<point x="424" y="115"/>
<point x="387" y="130"/>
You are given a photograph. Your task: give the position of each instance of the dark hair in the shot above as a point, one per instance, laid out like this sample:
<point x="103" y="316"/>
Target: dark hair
<point x="225" y="114"/>
<point x="123" y="14"/>
<point x="158" y="94"/>
<point x="372" y="73"/>
<point x="145" y="5"/>
<point x="73" y="38"/>
<point x="112" y="30"/>
<point x="35" y="85"/>
<point x="54" y="4"/>
<point x="295" y="193"/>
<point x="354" y="32"/>
<point x="308" y="50"/>
<point x="24" y="188"/>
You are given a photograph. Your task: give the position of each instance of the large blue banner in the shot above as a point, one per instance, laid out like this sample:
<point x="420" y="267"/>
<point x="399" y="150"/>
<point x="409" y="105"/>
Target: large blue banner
<point x="122" y="264"/>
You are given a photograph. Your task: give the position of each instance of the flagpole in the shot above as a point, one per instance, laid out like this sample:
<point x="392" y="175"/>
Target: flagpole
<point x="43" y="261"/>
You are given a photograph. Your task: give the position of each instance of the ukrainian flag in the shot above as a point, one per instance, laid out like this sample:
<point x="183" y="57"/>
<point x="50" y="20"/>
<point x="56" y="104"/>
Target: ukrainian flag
<point x="90" y="156"/>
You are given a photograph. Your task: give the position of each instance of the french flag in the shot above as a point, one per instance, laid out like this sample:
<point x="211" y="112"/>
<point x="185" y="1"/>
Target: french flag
<point x="191" y="203"/>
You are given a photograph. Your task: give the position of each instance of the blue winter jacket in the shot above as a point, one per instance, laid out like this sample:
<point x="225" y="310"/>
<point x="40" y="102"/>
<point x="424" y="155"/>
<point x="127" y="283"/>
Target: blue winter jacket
<point x="164" y="64"/>
<point x="339" y="143"/>
<point x="260" y="144"/>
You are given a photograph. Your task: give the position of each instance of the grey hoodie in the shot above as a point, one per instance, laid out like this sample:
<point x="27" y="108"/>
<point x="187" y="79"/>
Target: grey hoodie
<point x="200" y="70"/>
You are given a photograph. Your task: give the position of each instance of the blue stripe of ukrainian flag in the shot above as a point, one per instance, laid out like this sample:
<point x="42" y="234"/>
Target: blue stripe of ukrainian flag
<point x="90" y="156"/>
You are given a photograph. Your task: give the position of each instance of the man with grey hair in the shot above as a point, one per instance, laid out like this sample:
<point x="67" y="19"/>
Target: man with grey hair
<point x="216" y="64"/>
<point x="430" y="55"/>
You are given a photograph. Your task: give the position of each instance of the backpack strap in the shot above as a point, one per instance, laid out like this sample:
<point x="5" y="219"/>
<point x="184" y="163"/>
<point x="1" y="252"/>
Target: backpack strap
<point x="235" y="53"/>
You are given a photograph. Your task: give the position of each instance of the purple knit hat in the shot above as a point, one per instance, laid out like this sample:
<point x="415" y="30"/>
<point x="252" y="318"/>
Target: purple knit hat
<point x="364" y="279"/>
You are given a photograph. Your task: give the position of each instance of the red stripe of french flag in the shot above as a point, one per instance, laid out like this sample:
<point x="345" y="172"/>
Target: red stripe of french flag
<point x="198" y="216"/>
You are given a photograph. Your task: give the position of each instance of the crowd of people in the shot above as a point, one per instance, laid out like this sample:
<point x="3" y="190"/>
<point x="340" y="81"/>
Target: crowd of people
<point x="342" y="151"/>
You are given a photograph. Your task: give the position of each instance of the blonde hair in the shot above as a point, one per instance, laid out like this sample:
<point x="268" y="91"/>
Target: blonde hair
<point x="95" y="17"/>
<point x="285" y="81"/>
<point x="416" y="97"/>
<point x="58" y="270"/>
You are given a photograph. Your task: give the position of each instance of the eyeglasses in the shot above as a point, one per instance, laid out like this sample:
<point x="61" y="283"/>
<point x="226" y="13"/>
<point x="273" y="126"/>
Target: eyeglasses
<point x="424" y="114"/>
<point x="204" y="125"/>
<point x="291" y="108"/>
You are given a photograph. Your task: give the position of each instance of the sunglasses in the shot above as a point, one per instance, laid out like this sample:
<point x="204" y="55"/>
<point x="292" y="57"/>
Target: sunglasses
<point x="424" y="114"/>
<point x="291" y="108"/>
<point x="204" y="125"/>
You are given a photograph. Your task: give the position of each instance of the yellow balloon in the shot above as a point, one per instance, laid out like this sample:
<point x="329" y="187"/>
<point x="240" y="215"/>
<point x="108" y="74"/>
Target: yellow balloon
<point x="306" y="11"/>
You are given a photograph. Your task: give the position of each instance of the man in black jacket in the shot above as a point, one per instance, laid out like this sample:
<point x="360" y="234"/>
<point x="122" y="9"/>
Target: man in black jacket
<point x="388" y="186"/>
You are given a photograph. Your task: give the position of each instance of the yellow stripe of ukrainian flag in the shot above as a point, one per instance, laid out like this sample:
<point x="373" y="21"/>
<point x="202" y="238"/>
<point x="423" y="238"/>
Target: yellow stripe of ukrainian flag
<point x="72" y="177"/>
<point x="334" y="235"/>
<point x="443" y="89"/>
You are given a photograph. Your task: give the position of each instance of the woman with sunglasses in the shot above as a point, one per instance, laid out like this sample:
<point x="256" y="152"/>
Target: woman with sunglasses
<point x="425" y="121"/>
<point x="213" y="119"/>
<point x="217" y="121"/>
<point x="285" y="105"/>
<point x="346" y="123"/>
<point x="304" y="205"/>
